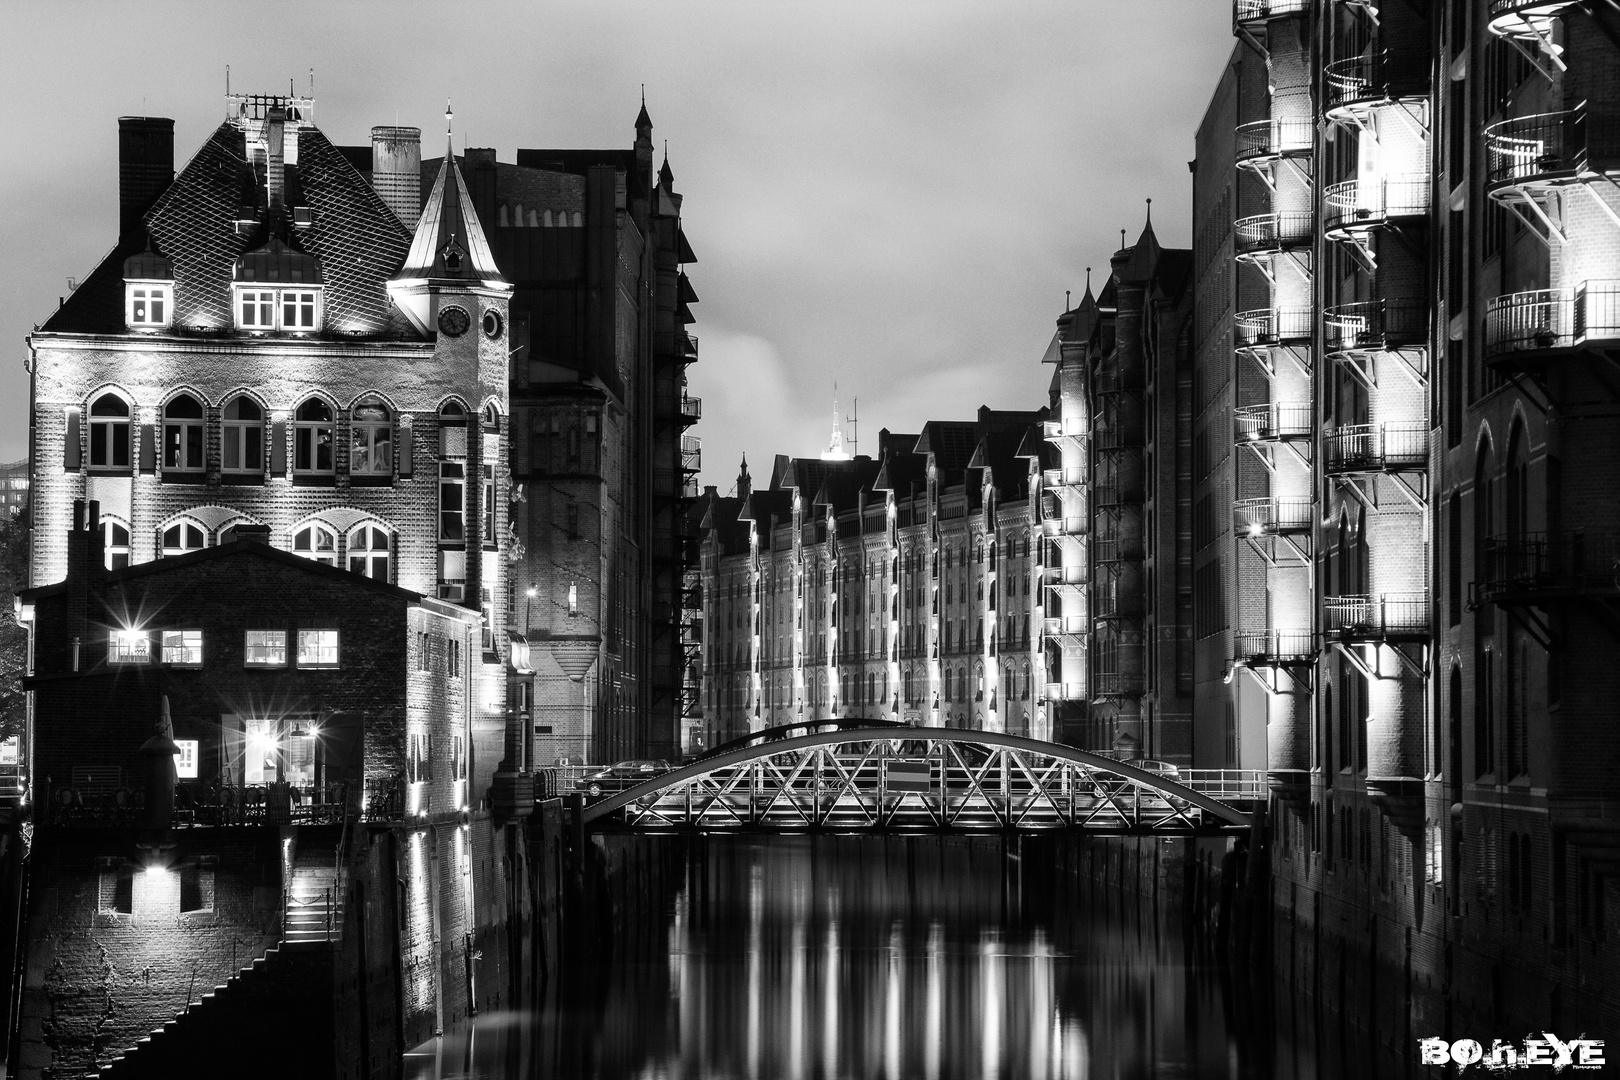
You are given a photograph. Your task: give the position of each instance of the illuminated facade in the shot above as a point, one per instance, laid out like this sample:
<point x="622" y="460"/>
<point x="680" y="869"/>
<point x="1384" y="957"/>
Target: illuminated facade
<point x="905" y="587"/>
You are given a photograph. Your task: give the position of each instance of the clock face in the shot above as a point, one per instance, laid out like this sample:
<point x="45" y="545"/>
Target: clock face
<point x="492" y="323"/>
<point x="454" y="321"/>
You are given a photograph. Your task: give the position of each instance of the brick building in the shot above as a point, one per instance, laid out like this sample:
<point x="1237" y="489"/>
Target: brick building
<point x="14" y="487"/>
<point x="323" y="748"/>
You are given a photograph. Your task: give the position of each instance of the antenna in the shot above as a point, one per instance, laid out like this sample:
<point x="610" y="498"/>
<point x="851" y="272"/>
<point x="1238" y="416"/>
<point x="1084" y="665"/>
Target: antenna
<point x="854" y="419"/>
<point x="227" y="80"/>
<point x="1066" y="304"/>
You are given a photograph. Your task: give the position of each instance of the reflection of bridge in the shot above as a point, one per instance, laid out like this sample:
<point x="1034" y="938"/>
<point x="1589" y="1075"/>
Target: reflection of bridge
<point x="872" y="778"/>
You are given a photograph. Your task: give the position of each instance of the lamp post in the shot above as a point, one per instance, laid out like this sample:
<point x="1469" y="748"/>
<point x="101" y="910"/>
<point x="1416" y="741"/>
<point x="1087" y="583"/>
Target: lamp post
<point x="528" y="604"/>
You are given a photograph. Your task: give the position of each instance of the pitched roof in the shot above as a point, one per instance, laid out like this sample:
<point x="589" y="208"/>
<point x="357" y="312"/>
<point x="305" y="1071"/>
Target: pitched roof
<point x="353" y="234"/>
<point x="449" y="241"/>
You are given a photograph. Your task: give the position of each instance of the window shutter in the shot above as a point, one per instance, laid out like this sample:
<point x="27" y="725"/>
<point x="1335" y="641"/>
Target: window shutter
<point x="405" y="455"/>
<point x="71" y="450"/>
<point x="148" y="449"/>
<point x="278" y="448"/>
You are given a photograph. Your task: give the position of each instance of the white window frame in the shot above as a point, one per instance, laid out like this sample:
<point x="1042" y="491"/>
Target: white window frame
<point x="317" y="531"/>
<point x="148" y="305"/>
<point x="371" y="442"/>
<point x="453" y="474"/>
<point x="264" y="648"/>
<point x="295" y="309"/>
<point x="108" y="427"/>
<point x="306" y="442"/>
<point x="115" y="543"/>
<point x="361" y="547"/>
<point x="183" y="428"/>
<point x="129" y="647"/>
<point x="318" y="649"/>
<point x="300" y="309"/>
<point x="182" y="648"/>
<point x="255" y="308"/>
<point x="236" y="435"/>
<point x="172" y="550"/>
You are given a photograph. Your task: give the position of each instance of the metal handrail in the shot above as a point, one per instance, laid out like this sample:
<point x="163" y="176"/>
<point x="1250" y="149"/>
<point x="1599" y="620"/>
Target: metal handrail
<point x="1272" y="421"/>
<point x="1270" y="138"/>
<point x="1273" y="645"/>
<point x="1368" y="201"/>
<point x="1553" y="318"/>
<point x="1245" y="11"/>
<point x="1377" y="324"/>
<point x="1377" y="615"/>
<point x="1540" y="145"/>
<point x="1265" y="326"/>
<point x="1394" y="444"/>
<point x="1540" y="563"/>
<point x="1272" y="514"/>
<point x="1272" y="232"/>
<point x="1380" y="75"/>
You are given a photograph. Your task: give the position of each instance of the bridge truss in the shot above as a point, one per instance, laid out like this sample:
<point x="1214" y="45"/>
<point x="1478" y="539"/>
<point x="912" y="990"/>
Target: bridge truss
<point x="928" y="779"/>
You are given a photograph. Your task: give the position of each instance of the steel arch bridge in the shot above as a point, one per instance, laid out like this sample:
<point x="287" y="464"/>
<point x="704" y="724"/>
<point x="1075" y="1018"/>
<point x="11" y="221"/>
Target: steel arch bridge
<point x="869" y="779"/>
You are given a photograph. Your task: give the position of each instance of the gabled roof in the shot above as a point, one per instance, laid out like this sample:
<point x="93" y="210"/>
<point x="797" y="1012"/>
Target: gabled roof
<point x="449" y="243"/>
<point x="950" y="442"/>
<point x="353" y="234"/>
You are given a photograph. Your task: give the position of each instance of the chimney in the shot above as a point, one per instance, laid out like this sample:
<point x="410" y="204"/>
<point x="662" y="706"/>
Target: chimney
<point x="396" y="171"/>
<point x="275" y="163"/>
<point x="145" y="166"/>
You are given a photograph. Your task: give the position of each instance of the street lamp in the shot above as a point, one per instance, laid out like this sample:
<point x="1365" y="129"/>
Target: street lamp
<point x="528" y="605"/>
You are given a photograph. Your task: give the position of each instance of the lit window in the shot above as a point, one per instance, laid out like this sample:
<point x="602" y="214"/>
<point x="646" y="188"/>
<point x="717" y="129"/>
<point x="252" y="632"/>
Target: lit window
<point x="317" y="648"/>
<point x="109" y="433"/>
<point x="458" y="758"/>
<point x="417" y="762"/>
<point x="452" y="663"/>
<point x="371" y="440"/>
<point x="298" y="309"/>
<point x="185" y="762"/>
<point x="488" y="508"/>
<point x="368" y="552"/>
<point x="180" y="538"/>
<point x="148" y="305"/>
<point x="452" y="499"/>
<point x="242" y="448"/>
<point x="183" y="435"/>
<point x="264" y="648"/>
<point x="312" y="437"/>
<point x="257" y="309"/>
<point x="115" y="541"/>
<point x="129" y="647"/>
<point x="316" y="542"/>
<point x="182" y="648"/>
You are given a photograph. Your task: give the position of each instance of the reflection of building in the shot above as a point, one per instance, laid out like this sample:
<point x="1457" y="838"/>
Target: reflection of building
<point x="905" y="587"/>
<point x="322" y="720"/>
<point x="14" y="487"/>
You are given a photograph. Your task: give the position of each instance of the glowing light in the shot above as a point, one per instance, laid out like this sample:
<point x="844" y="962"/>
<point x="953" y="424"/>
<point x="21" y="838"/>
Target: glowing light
<point x="157" y="870"/>
<point x="1256" y="530"/>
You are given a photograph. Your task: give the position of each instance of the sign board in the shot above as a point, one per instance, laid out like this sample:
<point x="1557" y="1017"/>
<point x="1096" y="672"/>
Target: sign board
<point x="185" y="765"/>
<point x="908" y="776"/>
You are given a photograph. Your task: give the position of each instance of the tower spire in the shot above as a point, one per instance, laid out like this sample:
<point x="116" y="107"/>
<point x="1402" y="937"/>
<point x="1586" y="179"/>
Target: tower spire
<point x="835" y="445"/>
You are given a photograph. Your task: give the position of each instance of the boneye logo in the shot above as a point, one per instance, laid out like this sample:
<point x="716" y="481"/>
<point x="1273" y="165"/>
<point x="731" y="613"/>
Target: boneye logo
<point x="1549" y="1050"/>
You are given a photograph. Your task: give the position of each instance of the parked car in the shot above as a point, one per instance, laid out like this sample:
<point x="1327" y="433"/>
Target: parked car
<point x="1162" y="768"/>
<point x="621" y="775"/>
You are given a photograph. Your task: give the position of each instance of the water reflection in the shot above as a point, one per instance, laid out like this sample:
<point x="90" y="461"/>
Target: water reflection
<point x="831" y="957"/>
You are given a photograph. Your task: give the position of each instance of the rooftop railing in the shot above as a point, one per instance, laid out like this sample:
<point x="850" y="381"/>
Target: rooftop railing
<point x="1547" y="319"/>
<point x="1377" y="616"/>
<point x="1386" y="447"/>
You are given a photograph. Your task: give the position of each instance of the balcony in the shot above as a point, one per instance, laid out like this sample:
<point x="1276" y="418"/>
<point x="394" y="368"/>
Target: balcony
<point x="1072" y="477"/>
<point x="1063" y="526"/>
<point x="1537" y="568"/>
<point x="1357" y="85"/>
<point x="1261" y="142"/>
<point x="1542" y="323"/>
<point x="691" y="454"/>
<point x="1534" y="152"/>
<point x="1352" y="208"/>
<point x="1272" y="515"/>
<point x="1114" y="549"/>
<point x="691" y="409"/>
<point x="1064" y="575"/>
<point x="1376" y="325"/>
<point x="1527" y="20"/>
<point x="1373" y="448"/>
<point x="1119" y="683"/>
<point x="1277" y="421"/>
<point x="1254" y="13"/>
<point x="1264" y="235"/>
<point x="1266" y="327"/>
<point x="1112" y="497"/>
<point x="1070" y="625"/>
<point x="1066" y="691"/>
<point x="1269" y="648"/>
<point x="1113" y="603"/>
<point x="1389" y="616"/>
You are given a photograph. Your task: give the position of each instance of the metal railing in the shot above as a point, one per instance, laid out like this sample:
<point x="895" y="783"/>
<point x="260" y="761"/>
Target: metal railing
<point x="1364" y="203"/>
<point x="1069" y="690"/>
<point x="1537" y="564"/>
<point x="1248" y="11"/>
<point x="1064" y="477"/>
<point x="1382" y="75"/>
<point x="1118" y="683"/>
<point x="1525" y="18"/>
<point x="1377" y="616"/>
<point x="1388" y="323"/>
<point x="1272" y="421"/>
<point x="1058" y="525"/>
<point x="1273" y="138"/>
<point x="1116" y="549"/>
<point x="1541" y="319"/>
<point x="1064" y="624"/>
<point x="1273" y="646"/>
<point x="1523" y="149"/>
<point x="254" y="804"/>
<point x="1272" y="232"/>
<point x="1272" y="515"/>
<point x="691" y="408"/>
<point x="1273" y="326"/>
<point x="1396" y="444"/>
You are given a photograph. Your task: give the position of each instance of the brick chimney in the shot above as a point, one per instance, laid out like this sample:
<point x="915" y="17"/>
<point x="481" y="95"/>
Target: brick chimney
<point x="145" y="166"/>
<point x="396" y="170"/>
<point x="275" y="160"/>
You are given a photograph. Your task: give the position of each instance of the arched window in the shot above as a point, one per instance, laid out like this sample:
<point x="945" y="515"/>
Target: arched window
<point x="871" y="688"/>
<point x="1027" y="680"/>
<point x="369" y="551"/>
<point x="316" y="541"/>
<point x="978" y="678"/>
<point x="115" y="544"/>
<point x="312" y="437"/>
<point x="109" y="432"/>
<point x="242" y="441"/>
<point x="947" y="684"/>
<point x="961" y="684"/>
<point x="181" y="537"/>
<point x="371" y="439"/>
<point x="183" y="435"/>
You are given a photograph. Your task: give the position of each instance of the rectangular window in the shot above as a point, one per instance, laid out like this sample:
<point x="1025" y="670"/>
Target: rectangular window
<point x="182" y="648"/>
<point x="148" y="305"/>
<point x="243" y="446"/>
<point x="115" y="887"/>
<point x="487" y="510"/>
<point x="317" y="648"/>
<point x="183" y="446"/>
<point x="257" y="309"/>
<point x="197" y="886"/>
<point x="264" y="648"/>
<point x="424" y="652"/>
<point x="297" y="310"/>
<point x="452" y="500"/>
<point x="109" y="444"/>
<point x="185" y="763"/>
<point x="129" y="647"/>
<point x="417" y="762"/>
<point x="452" y="666"/>
<point x="458" y="758"/>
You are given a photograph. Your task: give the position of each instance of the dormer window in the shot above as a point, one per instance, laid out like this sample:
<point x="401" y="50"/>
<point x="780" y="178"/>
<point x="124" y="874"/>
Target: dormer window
<point x="148" y="305"/>
<point x="297" y="310"/>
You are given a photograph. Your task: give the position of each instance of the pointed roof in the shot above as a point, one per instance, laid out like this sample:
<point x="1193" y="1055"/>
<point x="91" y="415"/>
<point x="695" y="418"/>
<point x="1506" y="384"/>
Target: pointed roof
<point x="666" y="175"/>
<point x="1142" y="258"/>
<point x="642" y="119"/>
<point x="449" y="241"/>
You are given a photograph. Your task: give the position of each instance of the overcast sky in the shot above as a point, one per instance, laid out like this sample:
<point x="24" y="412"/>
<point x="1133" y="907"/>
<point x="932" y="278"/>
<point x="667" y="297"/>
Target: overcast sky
<point x="890" y="195"/>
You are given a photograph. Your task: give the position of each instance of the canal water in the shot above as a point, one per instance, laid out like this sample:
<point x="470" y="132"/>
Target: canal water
<point x="924" y="958"/>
